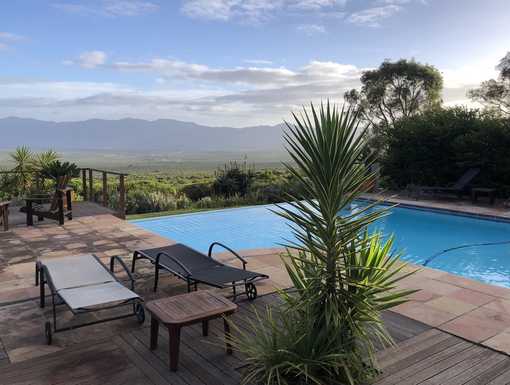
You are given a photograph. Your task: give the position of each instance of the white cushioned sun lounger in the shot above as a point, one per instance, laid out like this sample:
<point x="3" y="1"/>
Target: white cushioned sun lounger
<point x="85" y="285"/>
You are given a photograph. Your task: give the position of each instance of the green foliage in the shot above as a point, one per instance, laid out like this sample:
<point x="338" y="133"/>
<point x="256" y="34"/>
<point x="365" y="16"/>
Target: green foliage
<point x="437" y="146"/>
<point x="197" y="191"/>
<point x="23" y="159"/>
<point x="43" y="159"/>
<point x="25" y="176"/>
<point x="343" y="275"/>
<point x="495" y="94"/>
<point x="233" y="179"/>
<point x="58" y="170"/>
<point x="396" y="90"/>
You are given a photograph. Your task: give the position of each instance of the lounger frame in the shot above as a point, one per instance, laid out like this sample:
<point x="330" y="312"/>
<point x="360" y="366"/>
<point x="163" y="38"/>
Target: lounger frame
<point x="249" y="284"/>
<point x="43" y="277"/>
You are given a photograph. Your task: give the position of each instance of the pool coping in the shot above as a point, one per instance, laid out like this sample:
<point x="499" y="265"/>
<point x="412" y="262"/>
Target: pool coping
<point x="432" y="208"/>
<point x="387" y="201"/>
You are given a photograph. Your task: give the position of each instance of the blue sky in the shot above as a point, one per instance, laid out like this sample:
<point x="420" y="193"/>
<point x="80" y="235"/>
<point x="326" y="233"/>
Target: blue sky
<point x="229" y="62"/>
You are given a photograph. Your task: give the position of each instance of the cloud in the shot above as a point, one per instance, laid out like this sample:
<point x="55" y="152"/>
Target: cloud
<point x="250" y="76"/>
<point x="254" y="11"/>
<point x="258" y="61"/>
<point x="311" y="29"/>
<point x="371" y="17"/>
<point x="109" y="8"/>
<point x="88" y="59"/>
<point x="8" y="38"/>
<point x="234" y="96"/>
<point x="237" y="96"/>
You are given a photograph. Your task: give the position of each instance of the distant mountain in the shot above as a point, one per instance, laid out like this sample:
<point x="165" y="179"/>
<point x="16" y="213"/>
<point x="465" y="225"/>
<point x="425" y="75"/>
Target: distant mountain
<point x="137" y="135"/>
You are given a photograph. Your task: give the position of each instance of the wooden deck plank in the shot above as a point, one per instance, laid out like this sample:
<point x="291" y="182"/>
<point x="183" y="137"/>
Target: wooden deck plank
<point x="139" y="361"/>
<point x="216" y="352"/>
<point x="502" y="379"/>
<point x="154" y="361"/>
<point x="191" y="368"/>
<point x="422" y="360"/>
<point x="93" y="364"/>
<point x="491" y="373"/>
<point x="478" y="369"/>
<point x="411" y="346"/>
<point x="441" y="366"/>
<point x="449" y="375"/>
<point x="423" y="356"/>
<point x="401" y="375"/>
<point x="402" y="328"/>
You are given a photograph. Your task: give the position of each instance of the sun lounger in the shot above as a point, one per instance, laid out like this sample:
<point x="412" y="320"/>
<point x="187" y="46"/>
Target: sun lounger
<point x="85" y="285"/>
<point x="195" y="267"/>
<point x="458" y="188"/>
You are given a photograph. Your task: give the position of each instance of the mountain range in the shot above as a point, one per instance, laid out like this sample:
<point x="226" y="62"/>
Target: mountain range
<point x="137" y="135"/>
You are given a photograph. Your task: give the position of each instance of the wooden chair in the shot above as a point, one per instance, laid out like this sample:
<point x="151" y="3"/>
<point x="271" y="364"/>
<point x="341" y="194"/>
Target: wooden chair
<point x="57" y="206"/>
<point x="4" y="214"/>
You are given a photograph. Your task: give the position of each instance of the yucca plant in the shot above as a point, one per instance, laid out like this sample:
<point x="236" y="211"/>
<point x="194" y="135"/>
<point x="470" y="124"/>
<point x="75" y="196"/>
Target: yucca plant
<point x="23" y="168"/>
<point x="343" y="275"/>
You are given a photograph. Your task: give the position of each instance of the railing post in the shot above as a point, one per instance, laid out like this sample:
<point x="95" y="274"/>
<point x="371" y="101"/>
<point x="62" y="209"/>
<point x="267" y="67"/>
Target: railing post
<point x="122" y="197"/>
<point x="91" y="186"/>
<point x="105" y="189"/>
<point x="84" y="183"/>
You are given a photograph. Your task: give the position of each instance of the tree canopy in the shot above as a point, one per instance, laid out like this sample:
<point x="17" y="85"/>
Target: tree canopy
<point x="495" y="94"/>
<point x="395" y="90"/>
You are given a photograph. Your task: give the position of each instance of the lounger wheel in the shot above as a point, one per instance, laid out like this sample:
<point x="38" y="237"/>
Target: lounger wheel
<point x="48" y="332"/>
<point x="140" y="313"/>
<point x="251" y="291"/>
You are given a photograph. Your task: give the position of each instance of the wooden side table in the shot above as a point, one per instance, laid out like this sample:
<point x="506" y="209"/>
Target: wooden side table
<point x="188" y="309"/>
<point x="490" y="192"/>
<point x="4" y="214"/>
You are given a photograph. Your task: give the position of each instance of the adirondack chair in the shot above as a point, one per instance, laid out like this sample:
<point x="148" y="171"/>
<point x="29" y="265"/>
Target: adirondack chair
<point x="4" y="214"/>
<point x="56" y="206"/>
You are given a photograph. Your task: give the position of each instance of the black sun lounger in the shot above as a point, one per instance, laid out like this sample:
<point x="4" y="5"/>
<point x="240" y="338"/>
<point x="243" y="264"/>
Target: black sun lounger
<point x="195" y="267"/>
<point x="458" y="188"/>
<point x="85" y="285"/>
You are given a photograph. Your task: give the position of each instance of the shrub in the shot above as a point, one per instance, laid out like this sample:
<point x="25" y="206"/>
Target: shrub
<point x="233" y="180"/>
<point x="436" y="147"/>
<point x="343" y="276"/>
<point x="197" y="191"/>
<point x="139" y="202"/>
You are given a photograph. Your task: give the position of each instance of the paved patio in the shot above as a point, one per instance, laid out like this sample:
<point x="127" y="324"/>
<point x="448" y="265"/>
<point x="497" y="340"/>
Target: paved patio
<point x="454" y="305"/>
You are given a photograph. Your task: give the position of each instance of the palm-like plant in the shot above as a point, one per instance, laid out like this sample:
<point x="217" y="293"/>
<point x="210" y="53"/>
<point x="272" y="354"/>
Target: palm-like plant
<point x="343" y="275"/>
<point x="22" y="158"/>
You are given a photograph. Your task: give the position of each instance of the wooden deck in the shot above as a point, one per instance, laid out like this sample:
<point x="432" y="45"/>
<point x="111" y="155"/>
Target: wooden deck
<point x="424" y="355"/>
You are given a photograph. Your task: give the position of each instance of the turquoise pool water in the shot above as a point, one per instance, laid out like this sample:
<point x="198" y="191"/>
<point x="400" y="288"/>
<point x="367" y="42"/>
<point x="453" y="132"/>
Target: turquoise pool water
<point x="421" y="235"/>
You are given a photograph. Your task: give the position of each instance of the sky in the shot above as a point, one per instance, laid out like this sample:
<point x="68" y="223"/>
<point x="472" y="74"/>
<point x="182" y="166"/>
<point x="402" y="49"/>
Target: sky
<point x="230" y="62"/>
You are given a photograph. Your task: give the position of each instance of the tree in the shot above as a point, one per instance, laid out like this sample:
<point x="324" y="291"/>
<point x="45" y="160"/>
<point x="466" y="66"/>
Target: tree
<point x="495" y="94"/>
<point x="396" y="90"/>
<point x="343" y="276"/>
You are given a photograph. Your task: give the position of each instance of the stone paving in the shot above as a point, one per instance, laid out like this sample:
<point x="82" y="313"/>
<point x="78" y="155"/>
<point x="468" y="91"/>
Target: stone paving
<point x="472" y="310"/>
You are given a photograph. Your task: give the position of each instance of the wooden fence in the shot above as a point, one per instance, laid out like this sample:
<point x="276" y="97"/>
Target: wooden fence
<point x="88" y="176"/>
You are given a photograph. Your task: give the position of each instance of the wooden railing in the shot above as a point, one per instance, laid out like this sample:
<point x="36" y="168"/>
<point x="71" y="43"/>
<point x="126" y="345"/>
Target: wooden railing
<point x="87" y="177"/>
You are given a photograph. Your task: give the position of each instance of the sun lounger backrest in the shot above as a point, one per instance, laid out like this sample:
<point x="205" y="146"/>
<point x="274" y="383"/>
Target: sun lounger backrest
<point x="465" y="179"/>
<point x="192" y="259"/>
<point x="76" y="271"/>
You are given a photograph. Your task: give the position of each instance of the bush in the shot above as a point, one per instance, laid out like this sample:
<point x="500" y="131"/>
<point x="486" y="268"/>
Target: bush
<point x="436" y="147"/>
<point x="233" y="180"/>
<point x="139" y="202"/>
<point x="197" y="191"/>
<point x="343" y="276"/>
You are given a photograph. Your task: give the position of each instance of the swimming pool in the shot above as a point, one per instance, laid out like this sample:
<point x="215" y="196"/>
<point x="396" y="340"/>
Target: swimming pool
<point x="421" y="235"/>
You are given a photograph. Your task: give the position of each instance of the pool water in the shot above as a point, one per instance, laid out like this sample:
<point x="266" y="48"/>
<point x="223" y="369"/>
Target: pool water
<point x="420" y="235"/>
